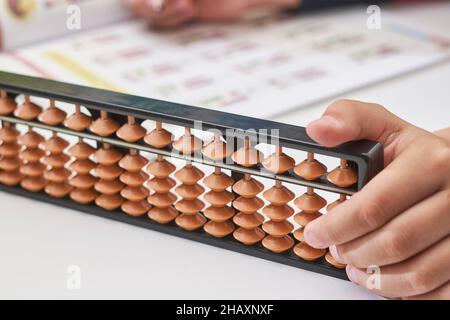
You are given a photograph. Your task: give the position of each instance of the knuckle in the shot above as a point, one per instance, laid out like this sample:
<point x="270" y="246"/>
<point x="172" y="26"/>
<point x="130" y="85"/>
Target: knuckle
<point x="372" y="215"/>
<point x="395" y="244"/>
<point x="441" y="156"/>
<point x="333" y="236"/>
<point x="418" y="282"/>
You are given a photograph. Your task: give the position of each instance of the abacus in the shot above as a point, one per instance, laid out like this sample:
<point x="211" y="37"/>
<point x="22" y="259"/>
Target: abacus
<point x="98" y="157"/>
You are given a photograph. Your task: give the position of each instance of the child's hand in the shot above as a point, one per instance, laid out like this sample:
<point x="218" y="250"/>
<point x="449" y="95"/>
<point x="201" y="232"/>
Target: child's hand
<point x="400" y="221"/>
<point x="179" y="12"/>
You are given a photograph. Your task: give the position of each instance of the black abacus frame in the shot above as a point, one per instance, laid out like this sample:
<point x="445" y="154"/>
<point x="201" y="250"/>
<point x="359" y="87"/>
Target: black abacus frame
<point x="367" y="156"/>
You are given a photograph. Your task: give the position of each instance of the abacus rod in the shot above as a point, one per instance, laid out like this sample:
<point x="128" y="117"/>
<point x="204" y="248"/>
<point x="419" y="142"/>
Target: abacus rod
<point x="168" y="153"/>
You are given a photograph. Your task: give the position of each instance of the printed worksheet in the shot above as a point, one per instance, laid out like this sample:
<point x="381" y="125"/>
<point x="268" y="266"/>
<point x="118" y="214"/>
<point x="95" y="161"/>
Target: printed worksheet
<point x="261" y="67"/>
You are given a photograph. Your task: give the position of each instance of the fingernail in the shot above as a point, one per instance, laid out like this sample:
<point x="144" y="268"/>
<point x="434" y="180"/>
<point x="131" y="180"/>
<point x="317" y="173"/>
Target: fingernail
<point x="352" y="274"/>
<point x="328" y="120"/>
<point x="312" y="238"/>
<point x="335" y="254"/>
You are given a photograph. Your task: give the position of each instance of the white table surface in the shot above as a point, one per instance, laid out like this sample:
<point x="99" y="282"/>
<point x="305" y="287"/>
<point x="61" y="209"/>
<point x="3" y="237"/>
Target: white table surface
<point x="39" y="241"/>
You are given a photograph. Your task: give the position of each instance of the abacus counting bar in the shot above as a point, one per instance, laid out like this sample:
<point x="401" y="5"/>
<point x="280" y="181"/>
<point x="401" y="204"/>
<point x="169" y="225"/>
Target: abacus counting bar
<point x="114" y="180"/>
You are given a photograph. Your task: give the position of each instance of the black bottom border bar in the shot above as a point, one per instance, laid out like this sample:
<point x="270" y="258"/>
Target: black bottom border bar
<point x="228" y="243"/>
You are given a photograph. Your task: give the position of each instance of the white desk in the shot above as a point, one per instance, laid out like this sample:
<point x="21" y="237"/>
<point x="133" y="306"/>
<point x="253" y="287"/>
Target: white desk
<point x="39" y="241"/>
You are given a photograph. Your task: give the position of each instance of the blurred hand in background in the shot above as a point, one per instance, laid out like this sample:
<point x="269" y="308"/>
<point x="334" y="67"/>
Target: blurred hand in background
<point x="175" y="13"/>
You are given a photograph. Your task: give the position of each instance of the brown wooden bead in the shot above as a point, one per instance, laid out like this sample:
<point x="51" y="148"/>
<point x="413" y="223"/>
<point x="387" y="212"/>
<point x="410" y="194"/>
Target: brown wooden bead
<point x="133" y="162"/>
<point x="278" y="244"/>
<point x="134" y="179"/>
<point x="248" y="187"/>
<point x="278" y="212"/>
<point x="248" y="205"/>
<point x="104" y="126"/>
<point x="278" y="228"/>
<point x="219" y="229"/>
<point x="78" y="121"/>
<point x="303" y="218"/>
<point x="31" y="154"/>
<point x="81" y="150"/>
<point x="33" y="184"/>
<point x="109" y="201"/>
<point x="83" y="196"/>
<point x="187" y="143"/>
<point x="8" y="133"/>
<point x="161" y="185"/>
<point x="108" y="172"/>
<point x="189" y="174"/>
<point x="57" y="175"/>
<point x="82" y="166"/>
<point x="249" y="237"/>
<point x="336" y="203"/>
<point x="107" y="156"/>
<point x="216" y="149"/>
<point x="9" y="163"/>
<point x="31" y="139"/>
<point x="163" y="215"/>
<point x="298" y="234"/>
<point x="159" y="137"/>
<point x="10" y="178"/>
<point x="27" y="110"/>
<point x="189" y="206"/>
<point x="7" y="104"/>
<point x="248" y="220"/>
<point x="134" y="193"/>
<point x="219" y="214"/>
<point x="190" y="222"/>
<point x="58" y="190"/>
<point x="330" y="259"/>
<point x="32" y="169"/>
<point x="162" y="200"/>
<point x="131" y="131"/>
<point x="307" y="252"/>
<point x="160" y="168"/>
<point x="310" y="202"/>
<point x="189" y="192"/>
<point x="55" y="145"/>
<point x="52" y="116"/>
<point x="247" y="156"/>
<point x="135" y="208"/>
<point x="219" y="198"/>
<point x="310" y="169"/>
<point x="56" y="160"/>
<point x="218" y="181"/>
<point x="109" y="187"/>
<point x="278" y="195"/>
<point x="278" y="162"/>
<point x="9" y="149"/>
<point x="83" y="181"/>
<point x="343" y="176"/>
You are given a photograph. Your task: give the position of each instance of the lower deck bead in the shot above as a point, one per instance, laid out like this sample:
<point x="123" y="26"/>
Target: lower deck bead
<point x="219" y="229"/>
<point x="278" y="244"/>
<point x="249" y="236"/>
<point x="307" y="252"/>
<point x="163" y="215"/>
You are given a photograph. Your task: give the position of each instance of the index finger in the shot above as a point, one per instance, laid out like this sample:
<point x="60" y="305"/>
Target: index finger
<point x="388" y="194"/>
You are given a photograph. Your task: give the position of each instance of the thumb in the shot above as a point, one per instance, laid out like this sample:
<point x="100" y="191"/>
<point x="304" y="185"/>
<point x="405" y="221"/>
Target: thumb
<point x="347" y="120"/>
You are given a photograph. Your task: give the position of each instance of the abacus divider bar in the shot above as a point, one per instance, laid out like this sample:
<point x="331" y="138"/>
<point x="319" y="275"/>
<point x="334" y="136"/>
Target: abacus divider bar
<point x="365" y="153"/>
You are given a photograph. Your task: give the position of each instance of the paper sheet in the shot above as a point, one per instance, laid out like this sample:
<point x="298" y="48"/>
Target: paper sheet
<point x="259" y="68"/>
